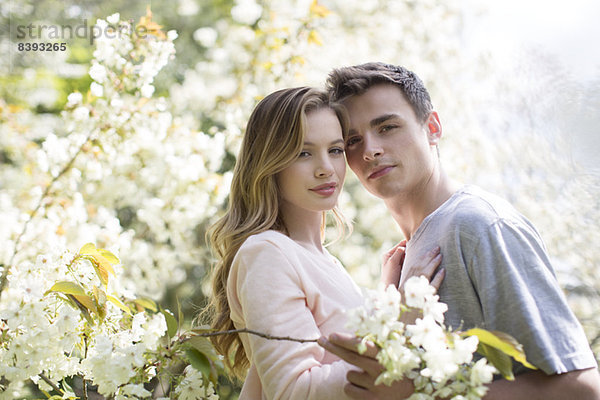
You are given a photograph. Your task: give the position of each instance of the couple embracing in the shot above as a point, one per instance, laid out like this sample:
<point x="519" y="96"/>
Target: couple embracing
<point x="273" y="274"/>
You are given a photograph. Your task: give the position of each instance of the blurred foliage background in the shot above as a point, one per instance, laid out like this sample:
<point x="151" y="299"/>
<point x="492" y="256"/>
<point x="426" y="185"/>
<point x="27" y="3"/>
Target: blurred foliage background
<point x="149" y="192"/>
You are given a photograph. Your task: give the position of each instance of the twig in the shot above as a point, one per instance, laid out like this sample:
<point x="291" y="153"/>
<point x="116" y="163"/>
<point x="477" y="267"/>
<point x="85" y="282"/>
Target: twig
<point x="251" y="332"/>
<point x="49" y="382"/>
<point x="67" y="167"/>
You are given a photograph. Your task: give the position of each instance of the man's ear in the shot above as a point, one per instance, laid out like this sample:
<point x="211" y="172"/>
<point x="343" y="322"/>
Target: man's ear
<point x="433" y="128"/>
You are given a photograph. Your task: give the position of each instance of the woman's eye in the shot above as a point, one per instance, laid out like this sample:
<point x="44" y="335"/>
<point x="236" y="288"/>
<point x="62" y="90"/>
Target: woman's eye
<point x="303" y="154"/>
<point x="337" y="150"/>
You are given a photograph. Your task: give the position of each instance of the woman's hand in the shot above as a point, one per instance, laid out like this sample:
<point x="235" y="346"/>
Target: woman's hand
<point x="427" y="266"/>
<point x="391" y="267"/>
<point x="361" y="384"/>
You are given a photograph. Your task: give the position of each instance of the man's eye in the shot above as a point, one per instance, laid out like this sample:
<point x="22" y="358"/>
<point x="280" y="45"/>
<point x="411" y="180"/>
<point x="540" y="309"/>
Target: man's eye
<point x="387" y="128"/>
<point x="352" y="141"/>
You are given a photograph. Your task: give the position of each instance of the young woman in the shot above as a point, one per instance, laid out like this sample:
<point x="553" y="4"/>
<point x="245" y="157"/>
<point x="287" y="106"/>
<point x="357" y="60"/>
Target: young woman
<point x="273" y="274"/>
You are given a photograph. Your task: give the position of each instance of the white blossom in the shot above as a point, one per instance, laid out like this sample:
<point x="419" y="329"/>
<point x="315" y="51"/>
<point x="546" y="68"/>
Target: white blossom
<point x="246" y="11"/>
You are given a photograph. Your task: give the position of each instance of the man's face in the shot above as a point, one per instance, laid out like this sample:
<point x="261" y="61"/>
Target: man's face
<point x="390" y="151"/>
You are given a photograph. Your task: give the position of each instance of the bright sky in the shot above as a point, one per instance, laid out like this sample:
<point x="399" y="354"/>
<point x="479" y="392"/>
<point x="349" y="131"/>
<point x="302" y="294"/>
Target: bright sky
<point x="568" y="31"/>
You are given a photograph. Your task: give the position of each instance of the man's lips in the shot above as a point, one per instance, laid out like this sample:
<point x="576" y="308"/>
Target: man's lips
<point x="380" y="171"/>
<point x="325" y="189"/>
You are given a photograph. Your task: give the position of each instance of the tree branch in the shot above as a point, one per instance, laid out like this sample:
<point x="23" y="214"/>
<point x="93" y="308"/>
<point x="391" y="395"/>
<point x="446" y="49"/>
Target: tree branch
<point x="251" y="332"/>
<point x="49" y="382"/>
<point x="67" y="167"/>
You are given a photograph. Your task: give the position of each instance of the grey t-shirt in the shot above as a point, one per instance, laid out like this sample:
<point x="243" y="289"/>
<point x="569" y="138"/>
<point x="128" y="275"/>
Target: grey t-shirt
<point x="499" y="277"/>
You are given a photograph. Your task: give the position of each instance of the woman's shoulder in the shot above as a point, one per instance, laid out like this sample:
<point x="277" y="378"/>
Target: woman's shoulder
<point x="269" y="240"/>
<point x="267" y="237"/>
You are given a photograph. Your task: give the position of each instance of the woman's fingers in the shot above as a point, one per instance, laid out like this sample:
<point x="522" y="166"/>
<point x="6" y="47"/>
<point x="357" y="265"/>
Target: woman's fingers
<point x="345" y="346"/>
<point x="426" y="265"/>
<point x="393" y="250"/>
<point x="392" y="268"/>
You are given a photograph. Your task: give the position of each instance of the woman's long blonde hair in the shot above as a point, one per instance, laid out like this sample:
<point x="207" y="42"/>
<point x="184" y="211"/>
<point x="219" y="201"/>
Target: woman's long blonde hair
<point x="273" y="140"/>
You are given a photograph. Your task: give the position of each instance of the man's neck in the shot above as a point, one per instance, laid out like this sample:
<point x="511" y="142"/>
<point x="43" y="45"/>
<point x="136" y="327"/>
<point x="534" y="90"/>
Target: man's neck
<point x="410" y="209"/>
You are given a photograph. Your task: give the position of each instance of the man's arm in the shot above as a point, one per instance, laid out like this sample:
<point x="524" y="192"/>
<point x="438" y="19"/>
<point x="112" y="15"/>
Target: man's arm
<point x="580" y="385"/>
<point x="534" y="385"/>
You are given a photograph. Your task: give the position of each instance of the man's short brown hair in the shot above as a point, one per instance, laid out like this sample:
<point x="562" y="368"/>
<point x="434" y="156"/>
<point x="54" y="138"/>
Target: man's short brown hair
<point x="355" y="80"/>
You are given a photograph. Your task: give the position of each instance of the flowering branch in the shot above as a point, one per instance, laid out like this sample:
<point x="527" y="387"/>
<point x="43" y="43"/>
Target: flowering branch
<point x="252" y="332"/>
<point x="66" y="168"/>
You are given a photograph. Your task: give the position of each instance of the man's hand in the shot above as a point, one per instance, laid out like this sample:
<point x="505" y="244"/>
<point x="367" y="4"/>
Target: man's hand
<point x="361" y="384"/>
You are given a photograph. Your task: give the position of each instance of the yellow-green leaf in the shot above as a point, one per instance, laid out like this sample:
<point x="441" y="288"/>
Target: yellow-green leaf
<point x="119" y="304"/>
<point x="110" y="257"/>
<point x="99" y="296"/>
<point x="503" y="342"/>
<point x="67" y="287"/>
<point x="318" y="10"/>
<point x="86" y="301"/>
<point x="88" y="248"/>
<point x="146" y="303"/>
<point x="315" y="38"/>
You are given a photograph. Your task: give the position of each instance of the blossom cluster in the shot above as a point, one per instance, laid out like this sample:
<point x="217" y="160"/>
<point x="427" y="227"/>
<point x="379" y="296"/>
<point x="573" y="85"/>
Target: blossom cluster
<point x="439" y="361"/>
<point x="117" y="169"/>
<point x="78" y="327"/>
<point x="64" y="317"/>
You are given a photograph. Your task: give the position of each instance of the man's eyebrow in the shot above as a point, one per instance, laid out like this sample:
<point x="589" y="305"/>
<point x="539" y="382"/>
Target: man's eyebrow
<point x="379" y="120"/>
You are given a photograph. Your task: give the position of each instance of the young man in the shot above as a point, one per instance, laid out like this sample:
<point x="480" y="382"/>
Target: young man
<point x="497" y="272"/>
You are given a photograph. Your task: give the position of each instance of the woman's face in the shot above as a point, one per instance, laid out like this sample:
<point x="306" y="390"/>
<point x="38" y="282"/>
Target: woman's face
<point x="314" y="181"/>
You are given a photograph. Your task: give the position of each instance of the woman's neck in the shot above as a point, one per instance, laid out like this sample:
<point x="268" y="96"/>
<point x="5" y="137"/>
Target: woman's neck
<point x="303" y="226"/>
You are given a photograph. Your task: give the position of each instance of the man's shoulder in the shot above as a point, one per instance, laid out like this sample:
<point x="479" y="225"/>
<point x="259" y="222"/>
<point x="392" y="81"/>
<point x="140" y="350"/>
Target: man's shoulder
<point x="474" y="209"/>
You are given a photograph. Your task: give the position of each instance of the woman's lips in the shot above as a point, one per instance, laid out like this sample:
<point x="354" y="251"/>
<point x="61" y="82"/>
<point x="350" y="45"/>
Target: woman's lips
<point x="326" y="189"/>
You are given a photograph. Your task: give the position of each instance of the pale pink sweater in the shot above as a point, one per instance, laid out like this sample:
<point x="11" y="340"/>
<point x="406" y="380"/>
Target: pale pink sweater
<point x="278" y="287"/>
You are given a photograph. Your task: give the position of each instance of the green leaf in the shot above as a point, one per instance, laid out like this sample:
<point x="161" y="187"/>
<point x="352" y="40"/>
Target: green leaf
<point x="171" y="322"/>
<point x="180" y="316"/>
<point x="204" y="346"/>
<point x="199" y="361"/>
<point x="67" y="287"/>
<point x="203" y="329"/>
<point x="498" y="359"/>
<point x="501" y="341"/>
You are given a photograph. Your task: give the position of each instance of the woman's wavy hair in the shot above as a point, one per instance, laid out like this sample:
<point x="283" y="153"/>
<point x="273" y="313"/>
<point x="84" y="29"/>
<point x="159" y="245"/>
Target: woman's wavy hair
<point x="273" y="140"/>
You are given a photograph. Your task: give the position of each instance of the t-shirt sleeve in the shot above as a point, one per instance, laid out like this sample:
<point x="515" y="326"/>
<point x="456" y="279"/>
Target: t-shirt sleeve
<point x="520" y="295"/>
<point x="270" y="295"/>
